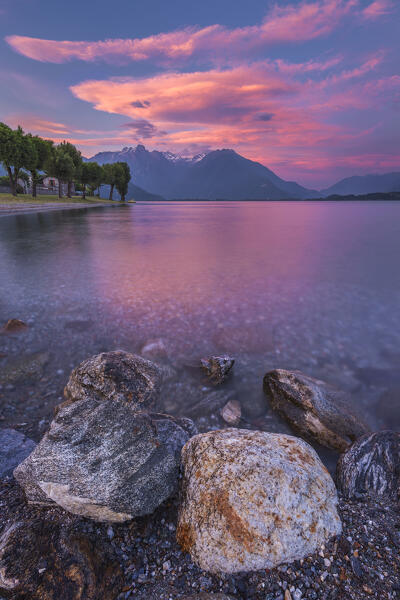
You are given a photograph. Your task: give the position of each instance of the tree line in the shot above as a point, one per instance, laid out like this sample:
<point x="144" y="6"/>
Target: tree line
<point x="23" y="153"/>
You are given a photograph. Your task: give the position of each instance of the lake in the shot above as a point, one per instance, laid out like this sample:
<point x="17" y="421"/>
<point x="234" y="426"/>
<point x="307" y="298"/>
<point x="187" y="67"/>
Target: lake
<point x="300" y="285"/>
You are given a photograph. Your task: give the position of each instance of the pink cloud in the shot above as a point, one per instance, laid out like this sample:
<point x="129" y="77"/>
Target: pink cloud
<point x="378" y="9"/>
<point x="290" y="24"/>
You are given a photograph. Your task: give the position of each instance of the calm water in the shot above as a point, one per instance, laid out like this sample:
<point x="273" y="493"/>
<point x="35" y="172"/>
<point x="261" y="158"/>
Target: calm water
<point x="298" y="285"/>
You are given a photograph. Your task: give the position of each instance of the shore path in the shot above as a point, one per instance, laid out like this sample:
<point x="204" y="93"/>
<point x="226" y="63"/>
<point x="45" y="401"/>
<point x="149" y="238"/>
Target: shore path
<point x="20" y="208"/>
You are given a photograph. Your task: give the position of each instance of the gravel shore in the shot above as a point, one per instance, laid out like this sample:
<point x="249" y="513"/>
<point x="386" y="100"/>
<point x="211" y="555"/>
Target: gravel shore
<point x="23" y="208"/>
<point x="361" y="564"/>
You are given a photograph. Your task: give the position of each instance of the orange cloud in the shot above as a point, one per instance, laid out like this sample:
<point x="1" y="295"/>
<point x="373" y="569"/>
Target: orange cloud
<point x="290" y="24"/>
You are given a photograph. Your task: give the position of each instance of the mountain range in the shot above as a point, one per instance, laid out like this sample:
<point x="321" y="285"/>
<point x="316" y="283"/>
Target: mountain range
<point x="224" y="174"/>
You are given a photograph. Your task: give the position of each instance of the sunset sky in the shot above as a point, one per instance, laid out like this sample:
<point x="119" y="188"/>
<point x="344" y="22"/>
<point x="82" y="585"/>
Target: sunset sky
<point x="309" y="88"/>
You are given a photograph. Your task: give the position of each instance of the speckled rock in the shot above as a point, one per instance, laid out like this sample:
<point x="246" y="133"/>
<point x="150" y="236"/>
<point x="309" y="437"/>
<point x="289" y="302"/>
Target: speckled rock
<point x="44" y="560"/>
<point x="115" y="376"/>
<point x="314" y="409"/>
<point x="371" y="466"/>
<point x="217" y="368"/>
<point x="253" y="500"/>
<point x="103" y="460"/>
<point x="14" y="447"/>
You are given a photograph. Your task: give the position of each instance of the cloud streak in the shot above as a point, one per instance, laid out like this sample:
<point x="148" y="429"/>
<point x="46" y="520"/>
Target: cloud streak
<point x="291" y="24"/>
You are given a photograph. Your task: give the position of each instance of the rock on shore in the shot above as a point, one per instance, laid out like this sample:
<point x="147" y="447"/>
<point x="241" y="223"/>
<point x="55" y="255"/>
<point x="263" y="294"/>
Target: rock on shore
<point x="53" y="560"/>
<point x="115" y="376"/>
<point x="102" y="458"/>
<point x="252" y="500"/>
<point x="316" y="410"/>
<point x="371" y="466"/>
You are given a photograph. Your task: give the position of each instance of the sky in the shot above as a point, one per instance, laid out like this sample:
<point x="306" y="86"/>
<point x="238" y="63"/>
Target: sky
<point x="309" y="88"/>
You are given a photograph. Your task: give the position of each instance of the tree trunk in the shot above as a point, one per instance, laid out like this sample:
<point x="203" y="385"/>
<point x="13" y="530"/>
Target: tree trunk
<point x="12" y="184"/>
<point x="110" y="197"/>
<point x="69" y="189"/>
<point x="34" y="184"/>
<point x="84" y="191"/>
<point x="59" y="189"/>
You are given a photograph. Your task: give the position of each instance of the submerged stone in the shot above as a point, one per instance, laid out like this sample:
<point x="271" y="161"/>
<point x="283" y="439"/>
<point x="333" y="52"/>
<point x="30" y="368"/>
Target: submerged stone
<point x="217" y="368"/>
<point x="253" y="500"/>
<point x="14" y="448"/>
<point x="313" y="408"/>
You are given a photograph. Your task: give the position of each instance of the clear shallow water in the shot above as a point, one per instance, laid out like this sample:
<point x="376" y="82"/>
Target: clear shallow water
<point x="312" y="286"/>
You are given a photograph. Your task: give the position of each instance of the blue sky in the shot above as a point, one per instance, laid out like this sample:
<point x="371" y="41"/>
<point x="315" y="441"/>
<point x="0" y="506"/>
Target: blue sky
<point x="310" y="88"/>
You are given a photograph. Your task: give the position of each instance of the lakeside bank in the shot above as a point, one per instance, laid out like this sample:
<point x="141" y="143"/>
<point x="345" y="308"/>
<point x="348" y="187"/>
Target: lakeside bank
<point x="28" y="205"/>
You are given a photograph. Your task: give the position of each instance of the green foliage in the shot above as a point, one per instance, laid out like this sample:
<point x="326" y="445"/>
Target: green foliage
<point x="16" y="152"/>
<point x="60" y="165"/>
<point x="4" y="181"/>
<point x="64" y="162"/>
<point x="122" y="178"/>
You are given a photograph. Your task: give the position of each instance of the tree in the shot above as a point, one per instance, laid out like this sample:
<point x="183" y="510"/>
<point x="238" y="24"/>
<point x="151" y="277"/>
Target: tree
<point x="76" y="157"/>
<point x="16" y="152"/>
<point x="110" y="177"/>
<point x="123" y="177"/>
<point x="92" y="174"/>
<point x="60" y="165"/>
<point x="43" y="150"/>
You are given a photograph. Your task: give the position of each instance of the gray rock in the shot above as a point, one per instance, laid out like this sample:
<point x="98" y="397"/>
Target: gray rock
<point x="371" y="466"/>
<point x="314" y="409"/>
<point x="115" y="376"/>
<point x="101" y="458"/>
<point x="14" y="447"/>
<point x="217" y="368"/>
<point x="253" y="500"/>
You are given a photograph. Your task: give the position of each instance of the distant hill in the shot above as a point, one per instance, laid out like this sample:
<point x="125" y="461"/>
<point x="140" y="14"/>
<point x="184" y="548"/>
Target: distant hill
<point x="220" y="174"/>
<point x="365" y="184"/>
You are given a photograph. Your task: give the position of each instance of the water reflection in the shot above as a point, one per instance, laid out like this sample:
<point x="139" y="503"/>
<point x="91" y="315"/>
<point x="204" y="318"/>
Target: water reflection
<point x="297" y="285"/>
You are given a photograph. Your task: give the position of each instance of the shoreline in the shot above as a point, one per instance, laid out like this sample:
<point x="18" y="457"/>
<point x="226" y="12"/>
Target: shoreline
<point x="24" y="208"/>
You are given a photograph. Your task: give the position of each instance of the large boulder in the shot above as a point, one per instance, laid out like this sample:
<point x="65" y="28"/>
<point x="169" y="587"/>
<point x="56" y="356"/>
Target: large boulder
<point x="46" y="560"/>
<point x="314" y="409"/>
<point x="252" y="500"/>
<point x="14" y="447"/>
<point x="104" y="461"/>
<point x="115" y="376"/>
<point x="103" y="457"/>
<point x="371" y="466"/>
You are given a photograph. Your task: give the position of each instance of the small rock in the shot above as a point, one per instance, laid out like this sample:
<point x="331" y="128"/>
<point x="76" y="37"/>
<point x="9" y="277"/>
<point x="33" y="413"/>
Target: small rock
<point x="318" y="411"/>
<point x="115" y="376"/>
<point x="155" y="349"/>
<point x="371" y="466"/>
<point x="217" y="367"/>
<point x="253" y="500"/>
<point x="14" y="326"/>
<point x="231" y="412"/>
<point x="29" y="366"/>
<point x="205" y="596"/>
<point x="14" y="448"/>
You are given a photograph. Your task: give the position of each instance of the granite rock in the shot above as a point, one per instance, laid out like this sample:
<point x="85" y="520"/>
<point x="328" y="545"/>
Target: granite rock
<point x="253" y="500"/>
